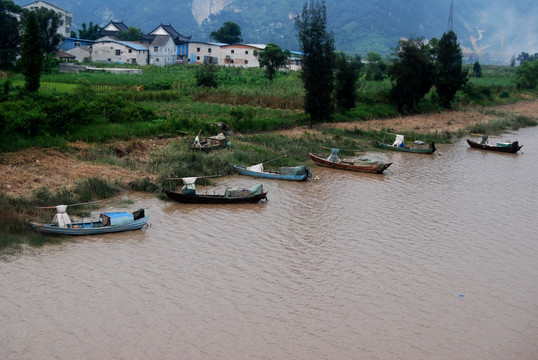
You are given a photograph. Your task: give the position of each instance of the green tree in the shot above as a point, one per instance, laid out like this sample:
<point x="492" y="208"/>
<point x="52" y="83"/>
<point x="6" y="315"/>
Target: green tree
<point x="9" y="34"/>
<point x="48" y="22"/>
<point x="375" y="67"/>
<point x="272" y="58"/>
<point x="526" y="57"/>
<point x="229" y="33"/>
<point x="317" y="46"/>
<point x="89" y="32"/>
<point x="412" y="73"/>
<point x="527" y="75"/>
<point x="32" y="53"/>
<point x="131" y="34"/>
<point x="450" y="75"/>
<point x="345" y="87"/>
<point x="477" y="70"/>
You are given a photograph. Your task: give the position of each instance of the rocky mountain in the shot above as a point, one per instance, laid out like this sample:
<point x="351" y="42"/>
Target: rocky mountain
<point x="493" y="30"/>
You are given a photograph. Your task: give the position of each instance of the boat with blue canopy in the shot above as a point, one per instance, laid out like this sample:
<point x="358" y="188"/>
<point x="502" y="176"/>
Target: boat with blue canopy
<point x="108" y="222"/>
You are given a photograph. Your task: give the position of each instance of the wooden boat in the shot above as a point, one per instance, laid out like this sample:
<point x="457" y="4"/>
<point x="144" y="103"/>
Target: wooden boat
<point x="505" y="147"/>
<point x="297" y="173"/>
<point x="209" y="143"/>
<point x="417" y="146"/>
<point x="363" y="165"/>
<point x="109" y="222"/>
<point x="188" y="194"/>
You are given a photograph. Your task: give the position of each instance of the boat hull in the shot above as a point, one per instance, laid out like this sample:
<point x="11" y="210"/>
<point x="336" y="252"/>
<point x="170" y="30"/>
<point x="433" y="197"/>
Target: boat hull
<point x="214" y="199"/>
<point x="367" y="167"/>
<point x="271" y="174"/>
<point x="89" y="228"/>
<point x="415" y="150"/>
<point x="514" y="148"/>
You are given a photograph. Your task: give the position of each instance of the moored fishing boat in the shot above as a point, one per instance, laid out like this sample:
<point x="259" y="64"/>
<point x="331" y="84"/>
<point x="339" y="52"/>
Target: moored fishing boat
<point x="189" y="195"/>
<point x="296" y="173"/>
<point x="361" y="165"/>
<point x="109" y="222"/>
<point x="417" y="147"/>
<point x="209" y="143"/>
<point x="500" y="146"/>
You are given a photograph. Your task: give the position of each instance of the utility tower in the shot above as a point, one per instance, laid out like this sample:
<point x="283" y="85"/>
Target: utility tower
<point x="450" y="17"/>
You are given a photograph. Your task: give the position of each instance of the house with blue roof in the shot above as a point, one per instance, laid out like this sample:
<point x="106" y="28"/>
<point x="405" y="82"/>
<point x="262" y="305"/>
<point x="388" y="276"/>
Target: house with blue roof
<point x="69" y="43"/>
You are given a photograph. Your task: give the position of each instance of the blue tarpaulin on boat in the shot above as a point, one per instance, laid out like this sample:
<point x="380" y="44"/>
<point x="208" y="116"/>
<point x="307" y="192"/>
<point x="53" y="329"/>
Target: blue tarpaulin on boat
<point x="116" y="218"/>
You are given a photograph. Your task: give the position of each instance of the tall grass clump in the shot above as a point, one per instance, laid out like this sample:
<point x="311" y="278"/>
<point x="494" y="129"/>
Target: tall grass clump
<point x="95" y="188"/>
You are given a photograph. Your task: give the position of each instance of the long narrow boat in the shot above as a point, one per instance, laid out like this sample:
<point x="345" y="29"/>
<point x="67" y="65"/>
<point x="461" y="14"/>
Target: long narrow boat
<point x="214" y="199"/>
<point x="505" y="147"/>
<point x="109" y="222"/>
<point x="297" y="173"/>
<point x="417" y="146"/>
<point x="367" y="166"/>
<point x="188" y="195"/>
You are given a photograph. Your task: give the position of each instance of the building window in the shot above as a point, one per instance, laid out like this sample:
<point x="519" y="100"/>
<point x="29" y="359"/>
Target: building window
<point x="246" y="52"/>
<point x="157" y="60"/>
<point x="156" y="48"/>
<point x="197" y="58"/>
<point x="197" y="49"/>
<point x="246" y="61"/>
<point x="130" y="51"/>
<point x="209" y="50"/>
<point x="118" y="52"/>
<point x="77" y="43"/>
<point x="233" y="51"/>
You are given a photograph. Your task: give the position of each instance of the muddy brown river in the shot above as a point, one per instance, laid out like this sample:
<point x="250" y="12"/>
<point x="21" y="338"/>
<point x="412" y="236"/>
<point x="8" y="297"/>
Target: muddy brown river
<point x="436" y="259"/>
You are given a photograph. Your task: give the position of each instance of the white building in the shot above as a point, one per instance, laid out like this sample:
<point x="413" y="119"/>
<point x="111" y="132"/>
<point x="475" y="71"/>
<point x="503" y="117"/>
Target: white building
<point x="240" y="55"/>
<point x="162" y="51"/>
<point x="114" y="51"/>
<point x="201" y="52"/>
<point x="81" y="53"/>
<point x="66" y="17"/>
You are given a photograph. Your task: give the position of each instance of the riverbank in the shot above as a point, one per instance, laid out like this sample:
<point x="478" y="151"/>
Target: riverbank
<point x="27" y="170"/>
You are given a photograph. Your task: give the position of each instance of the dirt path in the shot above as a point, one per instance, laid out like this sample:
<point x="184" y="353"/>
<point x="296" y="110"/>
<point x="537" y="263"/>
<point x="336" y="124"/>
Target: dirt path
<point x="30" y="169"/>
<point x="448" y="120"/>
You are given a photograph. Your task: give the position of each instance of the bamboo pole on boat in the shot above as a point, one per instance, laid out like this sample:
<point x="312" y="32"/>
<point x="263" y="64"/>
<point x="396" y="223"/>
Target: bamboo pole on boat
<point x="352" y="150"/>
<point x="197" y="177"/>
<point x="54" y="207"/>
<point x="280" y="157"/>
<point x="480" y="135"/>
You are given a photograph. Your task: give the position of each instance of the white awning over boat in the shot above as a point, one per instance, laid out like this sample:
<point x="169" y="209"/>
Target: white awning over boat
<point x="189" y="186"/>
<point x="399" y="140"/>
<point x="256" y="168"/>
<point x="61" y="218"/>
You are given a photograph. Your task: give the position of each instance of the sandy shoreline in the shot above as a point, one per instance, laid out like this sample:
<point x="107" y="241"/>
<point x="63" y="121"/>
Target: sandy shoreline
<point x="30" y="169"/>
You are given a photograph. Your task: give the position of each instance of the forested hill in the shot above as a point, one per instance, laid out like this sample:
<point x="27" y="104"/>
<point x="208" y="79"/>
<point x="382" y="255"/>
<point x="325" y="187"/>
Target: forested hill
<point x="489" y="27"/>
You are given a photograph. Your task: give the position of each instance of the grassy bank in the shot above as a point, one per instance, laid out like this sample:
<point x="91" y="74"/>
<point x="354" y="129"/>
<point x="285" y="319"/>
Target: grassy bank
<point x="162" y="101"/>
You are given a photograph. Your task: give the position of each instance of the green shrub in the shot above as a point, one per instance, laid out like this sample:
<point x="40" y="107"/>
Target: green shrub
<point x="206" y="76"/>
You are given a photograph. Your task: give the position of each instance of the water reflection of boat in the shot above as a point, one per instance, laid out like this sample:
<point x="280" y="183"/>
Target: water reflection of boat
<point x="188" y="194"/>
<point x="505" y="147"/>
<point x="361" y="165"/>
<point x="109" y="222"/>
<point x="417" y="146"/>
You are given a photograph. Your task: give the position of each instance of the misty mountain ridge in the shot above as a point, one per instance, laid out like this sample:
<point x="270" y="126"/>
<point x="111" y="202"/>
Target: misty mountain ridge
<point x="491" y="31"/>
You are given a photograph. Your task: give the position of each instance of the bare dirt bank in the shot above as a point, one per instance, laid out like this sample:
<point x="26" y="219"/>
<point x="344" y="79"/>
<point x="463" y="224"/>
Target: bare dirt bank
<point x="424" y="123"/>
<point x="30" y="169"/>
